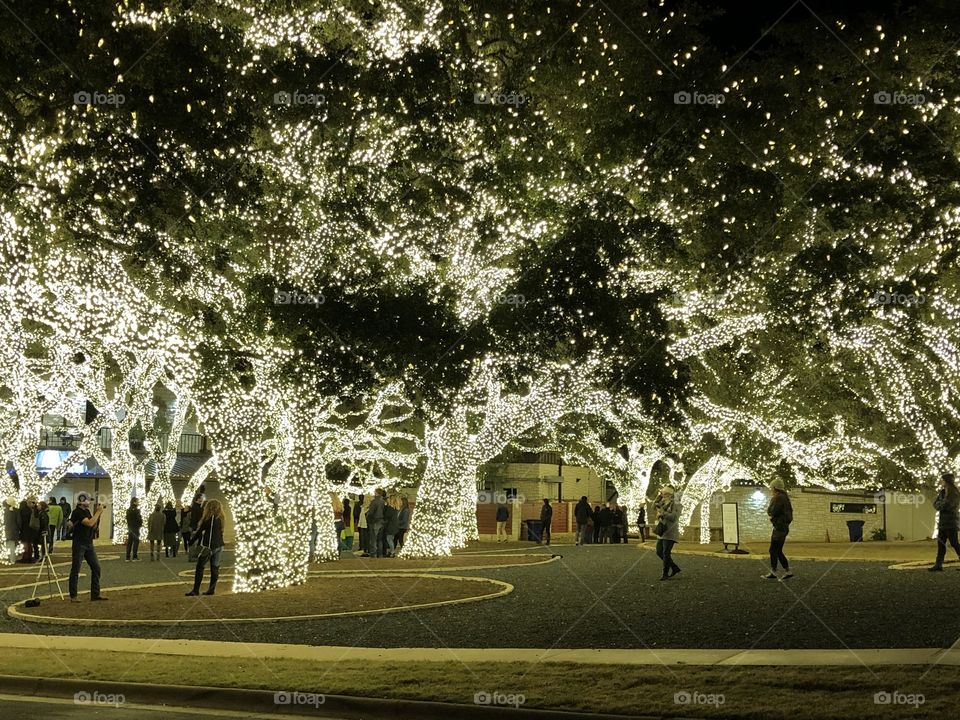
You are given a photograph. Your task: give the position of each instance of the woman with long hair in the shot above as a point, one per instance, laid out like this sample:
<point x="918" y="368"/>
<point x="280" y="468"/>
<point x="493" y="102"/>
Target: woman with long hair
<point x="780" y="511"/>
<point x="209" y="535"/>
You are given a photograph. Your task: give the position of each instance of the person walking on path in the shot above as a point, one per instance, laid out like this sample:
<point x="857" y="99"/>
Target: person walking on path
<point x="55" y="515"/>
<point x="209" y="538"/>
<point x="624" y="524"/>
<point x="582" y="514"/>
<point x="134" y="525"/>
<point x="780" y="512"/>
<point x="668" y="529"/>
<point x="947" y="505"/>
<point x="503" y="516"/>
<point x="171" y="530"/>
<point x="642" y="523"/>
<point x="546" y="517"/>
<point x="155" y="525"/>
<point x="597" y="529"/>
<point x="83" y="528"/>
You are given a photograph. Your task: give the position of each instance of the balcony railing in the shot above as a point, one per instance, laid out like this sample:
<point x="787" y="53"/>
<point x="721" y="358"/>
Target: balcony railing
<point x="55" y="439"/>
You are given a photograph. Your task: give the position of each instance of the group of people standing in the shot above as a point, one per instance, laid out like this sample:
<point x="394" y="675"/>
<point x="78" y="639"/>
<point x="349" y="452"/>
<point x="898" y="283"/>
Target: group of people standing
<point x="600" y="524"/>
<point x="167" y="526"/>
<point x="378" y="522"/>
<point x="34" y="525"/>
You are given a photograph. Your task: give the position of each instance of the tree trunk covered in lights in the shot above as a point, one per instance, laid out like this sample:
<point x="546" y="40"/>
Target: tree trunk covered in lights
<point x="446" y="499"/>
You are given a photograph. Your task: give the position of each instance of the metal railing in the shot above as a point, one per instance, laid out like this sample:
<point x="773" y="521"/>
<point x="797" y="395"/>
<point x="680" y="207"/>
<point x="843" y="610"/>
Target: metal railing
<point x="60" y="439"/>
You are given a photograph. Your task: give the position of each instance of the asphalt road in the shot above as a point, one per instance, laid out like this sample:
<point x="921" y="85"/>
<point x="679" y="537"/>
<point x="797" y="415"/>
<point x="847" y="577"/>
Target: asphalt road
<point x="609" y="597"/>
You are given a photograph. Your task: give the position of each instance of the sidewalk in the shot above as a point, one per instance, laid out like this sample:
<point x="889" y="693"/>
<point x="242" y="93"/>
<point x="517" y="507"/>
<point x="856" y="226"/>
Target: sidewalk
<point x="207" y="648"/>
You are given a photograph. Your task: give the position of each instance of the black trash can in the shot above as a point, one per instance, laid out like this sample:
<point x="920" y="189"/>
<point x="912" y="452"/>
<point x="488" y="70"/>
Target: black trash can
<point x="856" y="530"/>
<point x="534" y="530"/>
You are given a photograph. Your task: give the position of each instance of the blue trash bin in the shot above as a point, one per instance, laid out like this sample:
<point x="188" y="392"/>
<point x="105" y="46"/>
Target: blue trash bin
<point x="534" y="530"/>
<point x="856" y="530"/>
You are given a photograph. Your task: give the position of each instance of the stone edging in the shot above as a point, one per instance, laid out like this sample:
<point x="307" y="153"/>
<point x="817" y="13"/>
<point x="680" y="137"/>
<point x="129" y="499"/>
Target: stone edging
<point x="505" y="589"/>
<point x="763" y="556"/>
<point x="403" y="571"/>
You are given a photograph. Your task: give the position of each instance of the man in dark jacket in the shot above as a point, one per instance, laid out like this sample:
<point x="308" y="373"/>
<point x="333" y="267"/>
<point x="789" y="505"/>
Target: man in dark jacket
<point x="375" y="522"/>
<point x="604" y="518"/>
<point x="582" y="514"/>
<point x="546" y="517"/>
<point x="503" y="516"/>
<point x="30" y="530"/>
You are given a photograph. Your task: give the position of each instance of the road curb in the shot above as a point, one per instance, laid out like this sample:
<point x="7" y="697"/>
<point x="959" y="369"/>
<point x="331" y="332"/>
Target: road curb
<point x="265" y="702"/>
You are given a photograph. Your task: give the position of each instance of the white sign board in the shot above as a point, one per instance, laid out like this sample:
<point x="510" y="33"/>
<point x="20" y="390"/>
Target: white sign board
<point x="731" y="524"/>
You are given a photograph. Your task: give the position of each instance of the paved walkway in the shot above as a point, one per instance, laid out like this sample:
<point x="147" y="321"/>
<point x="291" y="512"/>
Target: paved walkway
<point x="207" y="648"/>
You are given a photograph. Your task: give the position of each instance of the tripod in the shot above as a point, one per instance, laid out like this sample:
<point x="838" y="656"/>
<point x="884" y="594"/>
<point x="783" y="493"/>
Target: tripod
<point x="51" y="572"/>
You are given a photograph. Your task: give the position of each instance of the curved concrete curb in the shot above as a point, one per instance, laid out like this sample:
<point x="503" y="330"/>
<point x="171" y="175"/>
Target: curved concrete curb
<point x="924" y="565"/>
<point x="408" y="571"/>
<point x="505" y="589"/>
<point x="763" y="556"/>
<point x="265" y="701"/>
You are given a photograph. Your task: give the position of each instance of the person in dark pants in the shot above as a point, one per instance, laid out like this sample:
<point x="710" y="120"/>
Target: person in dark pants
<point x="208" y="536"/>
<point x="171" y="531"/>
<point x="668" y="512"/>
<point x="29" y="530"/>
<point x="642" y="523"/>
<point x="582" y="514"/>
<point x="605" y="517"/>
<point x="83" y="528"/>
<point x="134" y="525"/>
<point x="375" y="523"/>
<point x="65" y="507"/>
<point x="947" y="505"/>
<point x="780" y="512"/>
<point x="616" y="520"/>
<point x="546" y="517"/>
<point x="597" y="530"/>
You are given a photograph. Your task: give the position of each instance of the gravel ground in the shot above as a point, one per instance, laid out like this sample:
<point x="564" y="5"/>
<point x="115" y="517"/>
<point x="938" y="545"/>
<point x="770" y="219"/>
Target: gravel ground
<point x="609" y="596"/>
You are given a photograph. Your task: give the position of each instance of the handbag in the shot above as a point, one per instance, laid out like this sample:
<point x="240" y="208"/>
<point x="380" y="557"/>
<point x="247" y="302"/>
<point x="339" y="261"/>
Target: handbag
<point x="661" y="529"/>
<point x="206" y="551"/>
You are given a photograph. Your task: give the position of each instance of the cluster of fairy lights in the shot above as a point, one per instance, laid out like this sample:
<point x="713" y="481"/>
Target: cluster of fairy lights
<point x="272" y="444"/>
